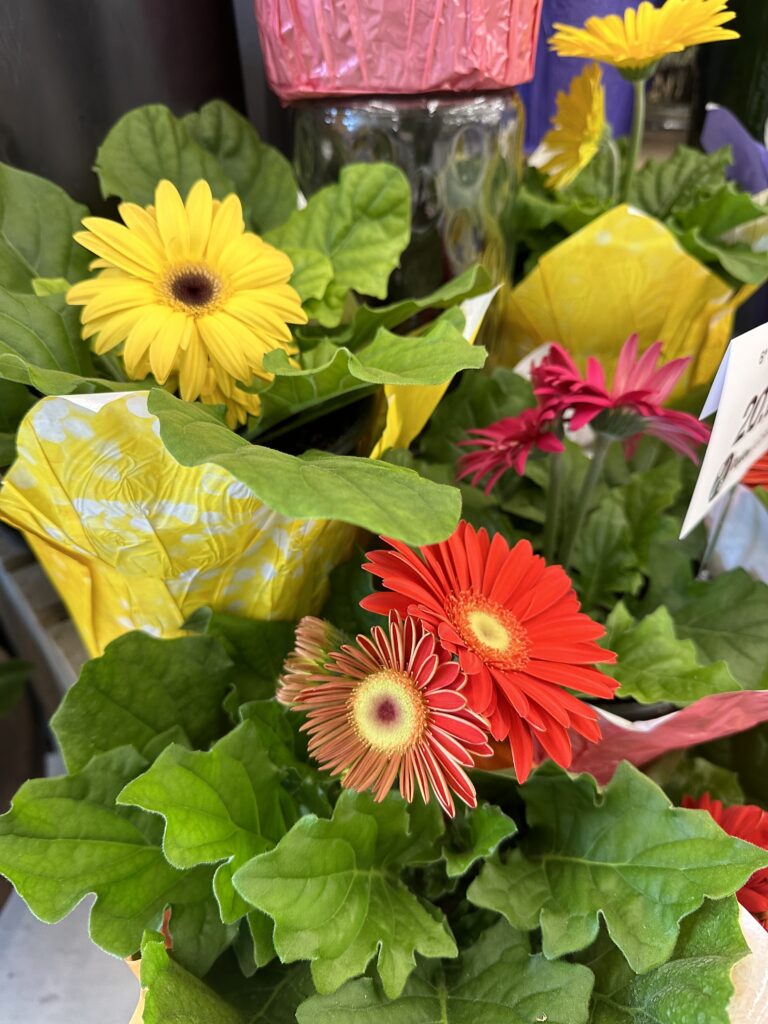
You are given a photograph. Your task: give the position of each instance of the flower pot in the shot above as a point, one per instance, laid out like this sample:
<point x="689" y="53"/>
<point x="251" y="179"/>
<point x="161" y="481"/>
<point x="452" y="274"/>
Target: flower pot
<point x="312" y="48"/>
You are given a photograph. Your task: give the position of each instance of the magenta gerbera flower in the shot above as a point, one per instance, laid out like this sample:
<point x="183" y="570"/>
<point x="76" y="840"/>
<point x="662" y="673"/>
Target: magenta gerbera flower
<point x="633" y="403"/>
<point x="507" y="444"/>
<point x="392" y="706"/>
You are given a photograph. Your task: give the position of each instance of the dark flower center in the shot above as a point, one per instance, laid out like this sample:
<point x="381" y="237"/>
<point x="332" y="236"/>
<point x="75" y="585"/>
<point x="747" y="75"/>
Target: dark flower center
<point x="193" y="288"/>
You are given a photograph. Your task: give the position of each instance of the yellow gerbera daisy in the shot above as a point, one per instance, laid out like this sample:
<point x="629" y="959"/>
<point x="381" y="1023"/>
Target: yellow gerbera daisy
<point x="189" y="293"/>
<point x="643" y="36"/>
<point x="577" y="128"/>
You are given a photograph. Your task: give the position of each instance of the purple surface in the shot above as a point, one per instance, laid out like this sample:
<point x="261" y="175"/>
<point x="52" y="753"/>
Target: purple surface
<point x="553" y="73"/>
<point x="750" y="158"/>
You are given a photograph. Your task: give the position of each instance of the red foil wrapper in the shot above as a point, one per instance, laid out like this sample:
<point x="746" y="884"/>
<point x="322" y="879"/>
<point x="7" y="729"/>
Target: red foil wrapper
<point x="361" y="47"/>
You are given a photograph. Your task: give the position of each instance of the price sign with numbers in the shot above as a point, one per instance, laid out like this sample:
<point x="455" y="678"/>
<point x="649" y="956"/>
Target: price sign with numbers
<point x="739" y="394"/>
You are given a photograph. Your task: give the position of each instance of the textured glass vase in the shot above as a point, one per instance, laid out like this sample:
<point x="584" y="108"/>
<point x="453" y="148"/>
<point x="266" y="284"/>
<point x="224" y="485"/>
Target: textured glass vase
<point x="461" y="154"/>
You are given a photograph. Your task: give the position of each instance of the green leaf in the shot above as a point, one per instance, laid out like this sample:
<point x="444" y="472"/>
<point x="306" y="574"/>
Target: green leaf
<point x="37" y="221"/>
<point x="312" y="272"/>
<point x="40" y="333"/>
<point x="727" y="618"/>
<point x="655" y="665"/>
<point x="663" y="187"/>
<point x="479" y="400"/>
<point x="362" y="225"/>
<point x="475" y="834"/>
<point x="625" y="854"/>
<point x="329" y="372"/>
<point x="50" y="285"/>
<point x="382" y="498"/>
<point x="64" y="838"/>
<point x="13" y="680"/>
<point x="603" y="556"/>
<point x="257" y="649"/>
<point x="148" y="144"/>
<point x="646" y="495"/>
<point x="222" y="805"/>
<point x="694" y="985"/>
<point x="680" y="774"/>
<point x="495" y="981"/>
<point x="514" y="887"/>
<point x="746" y="753"/>
<point x="140" y="690"/>
<point x="726" y="209"/>
<point x="334" y="891"/>
<point x="737" y="259"/>
<point x="262" y="176"/>
<point x="15" y="403"/>
<point x="174" y="996"/>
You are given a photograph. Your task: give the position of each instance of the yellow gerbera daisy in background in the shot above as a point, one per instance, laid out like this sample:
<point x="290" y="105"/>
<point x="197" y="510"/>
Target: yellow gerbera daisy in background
<point x="643" y="36"/>
<point x="577" y="129"/>
<point x="189" y="293"/>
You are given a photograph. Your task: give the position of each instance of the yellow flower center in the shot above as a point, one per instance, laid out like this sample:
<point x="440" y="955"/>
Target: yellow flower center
<point x="388" y="712"/>
<point x="490" y="630"/>
<point x="192" y="288"/>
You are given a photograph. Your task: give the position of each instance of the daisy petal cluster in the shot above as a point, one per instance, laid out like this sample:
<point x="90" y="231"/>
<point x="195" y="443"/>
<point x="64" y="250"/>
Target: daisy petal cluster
<point x="641" y="37"/>
<point x="190" y="295"/>
<point x="578" y="127"/>
<point x="507" y="444"/>
<point x="305" y="665"/>
<point x="757" y="474"/>
<point x="515" y="625"/>
<point x="631" y="406"/>
<point x="750" y="823"/>
<point x="391" y="707"/>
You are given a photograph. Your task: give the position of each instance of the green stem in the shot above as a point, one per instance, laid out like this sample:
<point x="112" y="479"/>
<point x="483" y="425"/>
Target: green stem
<point x="602" y="444"/>
<point x="635" y="137"/>
<point x="553" y="506"/>
<point x="613" y="149"/>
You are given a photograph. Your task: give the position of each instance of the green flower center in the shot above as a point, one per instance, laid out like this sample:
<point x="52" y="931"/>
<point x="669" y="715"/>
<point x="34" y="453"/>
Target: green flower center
<point x="388" y="712"/>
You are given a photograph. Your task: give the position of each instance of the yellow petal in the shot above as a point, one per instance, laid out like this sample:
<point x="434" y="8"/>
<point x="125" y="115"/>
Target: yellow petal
<point x="222" y="346"/>
<point x="166" y="346"/>
<point x="141" y="337"/>
<point x="117" y="238"/>
<point x="227" y="223"/>
<point x="172" y="220"/>
<point x="260" y="318"/>
<point x="193" y="366"/>
<point x="144" y="225"/>
<point x="199" y="209"/>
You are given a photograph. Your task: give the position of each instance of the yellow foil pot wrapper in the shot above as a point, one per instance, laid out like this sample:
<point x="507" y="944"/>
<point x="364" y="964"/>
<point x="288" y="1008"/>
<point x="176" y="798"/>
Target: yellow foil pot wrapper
<point x="131" y="539"/>
<point x="622" y="274"/>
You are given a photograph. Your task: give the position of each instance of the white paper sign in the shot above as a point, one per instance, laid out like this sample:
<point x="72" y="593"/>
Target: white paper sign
<point x="739" y="393"/>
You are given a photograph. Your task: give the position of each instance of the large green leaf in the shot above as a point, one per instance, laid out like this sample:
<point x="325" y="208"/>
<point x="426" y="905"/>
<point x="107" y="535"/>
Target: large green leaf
<point x="174" y="996"/>
<point x="329" y="372"/>
<point x="334" y="891"/>
<point x="625" y="854"/>
<point x="746" y="753"/>
<point x="15" y="402"/>
<point x="663" y="187"/>
<point x="375" y="495"/>
<point x="727" y="618"/>
<point x="495" y="981"/>
<point x="143" y="690"/>
<point x="680" y="774"/>
<point x="655" y="665"/>
<point x="262" y="176"/>
<point x="222" y="805"/>
<point x="362" y="225"/>
<point x="694" y="985"/>
<point x="603" y="556"/>
<point x="64" y="837"/>
<point x="37" y="221"/>
<point x="148" y="144"/>
<point x="474" y="834"/>
<point x="40" y="333"/>
<point x="739" y="260"/>
<point x="646" y="496"/>
<point x="514" y="887"/>
<point x="257" y="649"/>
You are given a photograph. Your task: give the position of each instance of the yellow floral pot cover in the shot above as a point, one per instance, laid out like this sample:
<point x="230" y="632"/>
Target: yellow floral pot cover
<point x="133" y="540"/>
<point x="623" y="273"/>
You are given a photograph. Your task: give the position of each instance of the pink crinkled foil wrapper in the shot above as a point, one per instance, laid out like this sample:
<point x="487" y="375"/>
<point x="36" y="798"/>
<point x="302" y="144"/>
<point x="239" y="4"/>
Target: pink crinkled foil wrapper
<point x="711" y="718"/>
<point x="361" y="47"/>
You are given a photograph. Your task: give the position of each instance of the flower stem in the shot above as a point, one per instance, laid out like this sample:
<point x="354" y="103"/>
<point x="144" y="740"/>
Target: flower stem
<point x="613" y="149"/>
<point x="635" y="137"/>
<point x="553" y="506"/>
<point x="602" y="444"/>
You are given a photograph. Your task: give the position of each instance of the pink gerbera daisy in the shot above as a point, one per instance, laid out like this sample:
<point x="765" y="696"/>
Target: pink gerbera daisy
<point x="507" y="444"/>
<point x="392" y="705"/>
<point x="514" y="623"/>
<point x="630" y="407"/>
<point x="315" y="639"/>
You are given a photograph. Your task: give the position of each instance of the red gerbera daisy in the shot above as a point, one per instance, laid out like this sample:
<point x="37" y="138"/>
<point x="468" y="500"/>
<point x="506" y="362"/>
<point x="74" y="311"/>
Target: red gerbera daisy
<point x="631" y="406"/>
<point x="392" y="705"/>
<point x="315" y="639"/>
<point x="750" y="823"/>
<point x="514" y="623"/>
<point x="757" y="475"/>
<point x="507" y="444"/>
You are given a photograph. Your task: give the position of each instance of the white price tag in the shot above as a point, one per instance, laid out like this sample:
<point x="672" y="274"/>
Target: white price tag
<point x="739" y="393"/>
